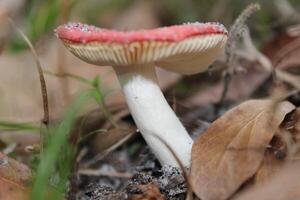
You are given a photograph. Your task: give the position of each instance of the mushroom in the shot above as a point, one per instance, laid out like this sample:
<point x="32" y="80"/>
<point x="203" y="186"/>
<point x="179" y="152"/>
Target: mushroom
<point x="186" y="49"/>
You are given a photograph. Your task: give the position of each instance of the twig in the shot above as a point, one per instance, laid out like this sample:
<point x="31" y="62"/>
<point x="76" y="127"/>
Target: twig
<point x="81" y="154"/>
<point x="226" y="82"/>
<point x="10" y="148"/>
<point x="102" y="155"/>
<point x="116" y="117"/>
<point x="235" y="33"/>
<point x="92" y="172"/>
<point x="39" y="69"/>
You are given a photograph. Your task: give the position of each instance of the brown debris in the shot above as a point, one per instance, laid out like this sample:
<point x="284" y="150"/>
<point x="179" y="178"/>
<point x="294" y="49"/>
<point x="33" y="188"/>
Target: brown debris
<point x="147" y="191"/>
<point x="97" y="192"/>
<point x="14" y="179"/>
<point x="231" y="150"/>
<point x="285" y="185"/>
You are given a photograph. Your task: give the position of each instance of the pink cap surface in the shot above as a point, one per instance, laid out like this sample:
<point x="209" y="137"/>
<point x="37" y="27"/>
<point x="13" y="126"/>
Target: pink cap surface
<point x="82" y="33"/>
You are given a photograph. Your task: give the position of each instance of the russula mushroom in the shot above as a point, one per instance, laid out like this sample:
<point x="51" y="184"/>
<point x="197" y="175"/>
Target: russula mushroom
<point x="187" y="49"/>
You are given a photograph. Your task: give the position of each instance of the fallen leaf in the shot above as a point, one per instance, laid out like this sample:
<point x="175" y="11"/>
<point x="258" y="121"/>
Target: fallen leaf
<point x="270" y="48"/>
<point x="231" y="150"/>
<point x="239" y="87"/>
<point x="145" y="192"/>
<point x="282" y="149"/>
<point x="14" y="177"/>
<point x="273" y="161"/>
<point x="292" y="125"/>
<point x="284" y="186"/>
<point x="283" y="50"/>
<point x="11" y="191"/>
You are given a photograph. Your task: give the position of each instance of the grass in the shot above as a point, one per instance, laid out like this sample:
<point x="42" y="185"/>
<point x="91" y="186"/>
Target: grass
<point x="12" y="126"/>
<point x="58" y="155"/>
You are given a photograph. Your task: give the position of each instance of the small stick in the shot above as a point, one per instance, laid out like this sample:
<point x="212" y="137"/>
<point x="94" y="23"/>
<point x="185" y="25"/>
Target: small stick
<point x="226" y="81"/>
<point x="92" y="172"/>
<point x="235" y="33"/>
<point x="102" y="155"/>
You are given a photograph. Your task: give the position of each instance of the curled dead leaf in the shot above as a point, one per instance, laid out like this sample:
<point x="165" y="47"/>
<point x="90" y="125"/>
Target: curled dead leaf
<point x="292" y="125"/>
<point x="282" y="151"/>
<point x="231" y="150"/>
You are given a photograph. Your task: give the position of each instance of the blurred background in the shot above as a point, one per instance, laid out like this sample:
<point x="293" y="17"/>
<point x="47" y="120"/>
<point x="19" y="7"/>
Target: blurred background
<point x="19" y="87"/>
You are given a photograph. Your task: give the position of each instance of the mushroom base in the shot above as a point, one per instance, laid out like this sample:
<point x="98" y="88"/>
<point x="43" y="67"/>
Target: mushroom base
<point x="153" y="115"/>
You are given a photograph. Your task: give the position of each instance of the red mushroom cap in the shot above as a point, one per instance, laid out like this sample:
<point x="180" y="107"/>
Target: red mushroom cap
<point x="187" y="48"/>
<point x="80" y="33"/>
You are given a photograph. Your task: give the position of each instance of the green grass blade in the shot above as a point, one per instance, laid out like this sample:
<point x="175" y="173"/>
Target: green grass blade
<point x="56" y="142"/>
<point x="13" y="126"/>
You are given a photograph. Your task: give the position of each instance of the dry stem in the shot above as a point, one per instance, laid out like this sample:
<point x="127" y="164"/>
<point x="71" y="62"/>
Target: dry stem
<point x="39" y="69"/>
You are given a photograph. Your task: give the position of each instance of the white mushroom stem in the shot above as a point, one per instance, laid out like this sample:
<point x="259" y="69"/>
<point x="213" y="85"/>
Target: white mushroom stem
<point x="153" y="115"/>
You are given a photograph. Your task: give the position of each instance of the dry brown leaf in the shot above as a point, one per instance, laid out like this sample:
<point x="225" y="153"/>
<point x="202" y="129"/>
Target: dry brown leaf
<point x="239" y="88"/>
<point x="273" y="161"/>
<point x="277" y="173"/>
<point x="146" y="192"/>
<point x="14" y="177"/>
<point x="284" y="186"/>
<point x="11" y="191"/>
<point x="283" y="149"/>
<point x="232" y="148"/>
<point x="292" y="125"/>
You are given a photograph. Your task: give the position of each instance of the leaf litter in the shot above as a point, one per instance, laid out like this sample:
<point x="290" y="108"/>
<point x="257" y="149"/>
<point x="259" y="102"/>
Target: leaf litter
<point x="230" y="151"/>
<point x="250" y="149"/>
<point x="14" y="179"/>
